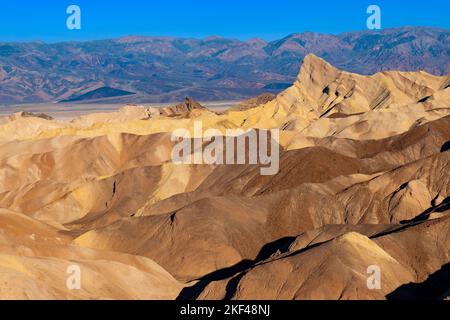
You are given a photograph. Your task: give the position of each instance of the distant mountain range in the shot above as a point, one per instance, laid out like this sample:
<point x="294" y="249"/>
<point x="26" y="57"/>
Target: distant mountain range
<point x="164" y="69"/>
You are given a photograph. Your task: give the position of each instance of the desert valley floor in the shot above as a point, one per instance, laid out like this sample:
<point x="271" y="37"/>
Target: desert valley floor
<point x="364" y="180"/>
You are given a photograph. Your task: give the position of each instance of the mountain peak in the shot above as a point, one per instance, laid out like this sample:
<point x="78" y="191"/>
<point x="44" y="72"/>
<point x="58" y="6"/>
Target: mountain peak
<point x="312" y="59"/>
<point x="316" y="70"/>
<point x="257" y="41"/>
<point x="322" y="90"/>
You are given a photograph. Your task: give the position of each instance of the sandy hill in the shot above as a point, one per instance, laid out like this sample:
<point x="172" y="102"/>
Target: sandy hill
<point x="363" y="180"/>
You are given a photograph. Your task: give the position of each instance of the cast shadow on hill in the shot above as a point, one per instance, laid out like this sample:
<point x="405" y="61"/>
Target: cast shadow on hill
<point x="405" y="224"/>
<point x="445" y="147"/>
<point x="444" y="206"/>
<point x="436" y="287"/>
<point x="193" y="292"/>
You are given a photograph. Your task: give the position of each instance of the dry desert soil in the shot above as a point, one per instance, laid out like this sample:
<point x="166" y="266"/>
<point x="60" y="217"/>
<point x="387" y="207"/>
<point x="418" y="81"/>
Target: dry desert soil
<point x="364" y="180"/>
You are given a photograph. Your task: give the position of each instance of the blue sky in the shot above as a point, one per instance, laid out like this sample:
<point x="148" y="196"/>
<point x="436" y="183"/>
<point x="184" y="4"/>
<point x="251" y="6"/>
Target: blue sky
<point x="46" y="20"/>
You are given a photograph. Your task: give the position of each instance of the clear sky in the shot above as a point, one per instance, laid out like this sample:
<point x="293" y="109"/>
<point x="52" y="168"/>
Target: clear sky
<point x="45" y="20"/>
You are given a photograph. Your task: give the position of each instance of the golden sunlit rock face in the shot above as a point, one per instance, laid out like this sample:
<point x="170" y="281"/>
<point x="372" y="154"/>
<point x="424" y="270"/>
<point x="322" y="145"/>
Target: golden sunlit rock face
<point x="362" y="188"/>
